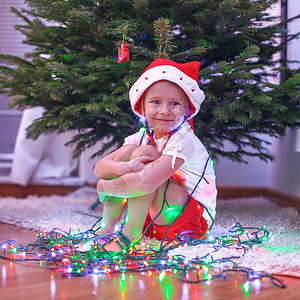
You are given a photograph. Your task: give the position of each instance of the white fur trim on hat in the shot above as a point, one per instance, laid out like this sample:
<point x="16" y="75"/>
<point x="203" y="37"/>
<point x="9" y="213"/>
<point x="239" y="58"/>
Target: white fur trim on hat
<point x="170" y="73"/>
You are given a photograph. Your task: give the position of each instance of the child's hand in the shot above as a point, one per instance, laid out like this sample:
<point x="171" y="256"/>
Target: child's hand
<point x="102" y="197"/>
<point x="137" y="164"/>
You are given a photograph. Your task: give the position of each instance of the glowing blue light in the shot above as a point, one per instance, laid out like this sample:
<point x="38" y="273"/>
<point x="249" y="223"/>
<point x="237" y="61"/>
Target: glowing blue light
<point x="52" y="288"/>
<point x="185" y="292"/>
<point x="257" y="283"/>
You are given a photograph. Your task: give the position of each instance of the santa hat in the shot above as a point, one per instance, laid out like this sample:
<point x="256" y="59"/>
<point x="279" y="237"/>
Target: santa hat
<point x="184" y="75"/>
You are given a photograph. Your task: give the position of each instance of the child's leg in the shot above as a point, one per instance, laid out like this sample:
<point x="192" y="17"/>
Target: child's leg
<point x="114" y="206"/>
<point x="140" y="207"/>
<point x="112" y="211"/>
<point x="137" y="212"/>
<point x="176" y="197"/>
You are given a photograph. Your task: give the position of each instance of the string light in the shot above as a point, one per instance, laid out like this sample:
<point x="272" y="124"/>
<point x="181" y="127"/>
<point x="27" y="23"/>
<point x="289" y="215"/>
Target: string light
<point x="60" y="251"/>
<point x="246" y="287"/>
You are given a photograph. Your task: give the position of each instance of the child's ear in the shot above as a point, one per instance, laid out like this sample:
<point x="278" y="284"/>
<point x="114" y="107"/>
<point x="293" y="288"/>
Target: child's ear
<point x="141" y="109"/>
<point x="141" y="106"/>
<point x="187" y="112"/>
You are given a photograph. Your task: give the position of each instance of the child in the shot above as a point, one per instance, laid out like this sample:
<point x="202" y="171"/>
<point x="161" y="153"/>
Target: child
<point x="167" y="97"/>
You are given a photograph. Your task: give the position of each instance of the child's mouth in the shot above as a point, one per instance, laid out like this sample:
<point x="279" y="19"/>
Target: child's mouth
<point x="163" y="120"/>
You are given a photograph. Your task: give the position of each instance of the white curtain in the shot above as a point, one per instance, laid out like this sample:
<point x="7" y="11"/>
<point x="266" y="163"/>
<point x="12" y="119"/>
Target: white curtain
<point x="297" y="146"/>
<point x="46" y="157"/>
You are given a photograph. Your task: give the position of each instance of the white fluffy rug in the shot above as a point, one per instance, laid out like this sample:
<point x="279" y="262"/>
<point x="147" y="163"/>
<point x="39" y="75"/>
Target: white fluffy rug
<point x="279" y="255"/>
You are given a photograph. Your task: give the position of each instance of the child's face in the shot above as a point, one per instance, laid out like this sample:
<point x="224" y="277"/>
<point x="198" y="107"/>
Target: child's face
<point x="165" y="106"/>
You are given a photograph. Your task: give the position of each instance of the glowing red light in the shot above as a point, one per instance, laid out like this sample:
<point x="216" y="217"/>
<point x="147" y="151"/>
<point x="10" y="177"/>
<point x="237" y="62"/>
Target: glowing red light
<point x="66" y="260"/>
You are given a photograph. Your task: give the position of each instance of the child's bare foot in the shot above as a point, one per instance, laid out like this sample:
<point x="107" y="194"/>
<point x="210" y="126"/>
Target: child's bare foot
<point x="104" y="231"/>
<point x="152" y="244"/>
<point x="102" y="236"/>
<point x="146" y="244"/>
<point x="122" y="242"/>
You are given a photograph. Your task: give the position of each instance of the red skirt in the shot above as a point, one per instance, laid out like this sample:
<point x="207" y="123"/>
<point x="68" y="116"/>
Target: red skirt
<point x="190" y="222"/>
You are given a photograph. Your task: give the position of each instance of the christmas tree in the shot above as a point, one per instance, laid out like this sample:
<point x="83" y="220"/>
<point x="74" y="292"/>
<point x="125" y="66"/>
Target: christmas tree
<point x="73" y="71"/>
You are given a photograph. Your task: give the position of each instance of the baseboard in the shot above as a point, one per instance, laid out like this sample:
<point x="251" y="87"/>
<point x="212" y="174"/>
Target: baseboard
<point x="230" y="192"/>
<point x="224" y="192"/>
<point x="283" y="199"/>
<point x="280" y="198"/>
<point x="14" y="190"/>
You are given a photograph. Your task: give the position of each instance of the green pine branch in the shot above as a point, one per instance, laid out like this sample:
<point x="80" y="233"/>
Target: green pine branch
<point x="164" y="36"/>
<point x="72" y="69"/>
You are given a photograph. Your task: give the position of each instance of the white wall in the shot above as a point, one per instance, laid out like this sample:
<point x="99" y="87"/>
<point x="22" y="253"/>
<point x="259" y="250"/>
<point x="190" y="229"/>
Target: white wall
<point x="283" y="174"/>
<point x="256" y="172"/>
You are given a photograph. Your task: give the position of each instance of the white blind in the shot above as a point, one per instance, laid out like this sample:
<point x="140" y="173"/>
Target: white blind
<point x="297" y="143"/>
<point x="10" y="43"/>
<point x="11" y="39"/>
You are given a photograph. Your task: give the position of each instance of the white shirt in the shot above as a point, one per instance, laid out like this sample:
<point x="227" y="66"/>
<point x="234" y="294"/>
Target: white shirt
<point x="184" y="144"/>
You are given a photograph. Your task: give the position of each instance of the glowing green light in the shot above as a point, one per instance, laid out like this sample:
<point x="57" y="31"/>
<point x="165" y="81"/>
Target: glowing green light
<point x="67" y="56"/>
<point x="208" y="277"/>
<point x="142" y="130"/>
<point x="123" y="283"/>
<point x="162" y="276"/>
<point x="246" y="287"/>
<point x="284" y="249"/>
<point x="212" y="164"/>
<point x="168" y="291"/>
<point x="123" y="277"/>
<point x="205" y="271"/>
<point x="171" y="213"/>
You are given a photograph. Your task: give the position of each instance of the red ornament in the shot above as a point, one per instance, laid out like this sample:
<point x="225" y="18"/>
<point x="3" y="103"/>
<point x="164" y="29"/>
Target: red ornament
<point x="123" y="53"/>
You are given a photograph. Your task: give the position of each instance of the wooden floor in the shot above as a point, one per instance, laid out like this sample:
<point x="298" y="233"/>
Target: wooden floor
<point x="29" y="280"/>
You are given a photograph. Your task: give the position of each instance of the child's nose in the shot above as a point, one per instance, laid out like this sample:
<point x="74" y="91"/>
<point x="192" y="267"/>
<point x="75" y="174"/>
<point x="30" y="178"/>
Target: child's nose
<point x="164" y="109"/>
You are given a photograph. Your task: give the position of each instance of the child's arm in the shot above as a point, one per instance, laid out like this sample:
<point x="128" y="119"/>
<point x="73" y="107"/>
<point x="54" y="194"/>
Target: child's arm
<point x="143" y="182"/>
<point x="118" y="163"/>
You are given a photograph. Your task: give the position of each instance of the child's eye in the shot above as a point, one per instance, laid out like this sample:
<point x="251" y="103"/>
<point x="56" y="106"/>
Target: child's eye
<point x="175" y="103"/>
<point x="155" y="101"/>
